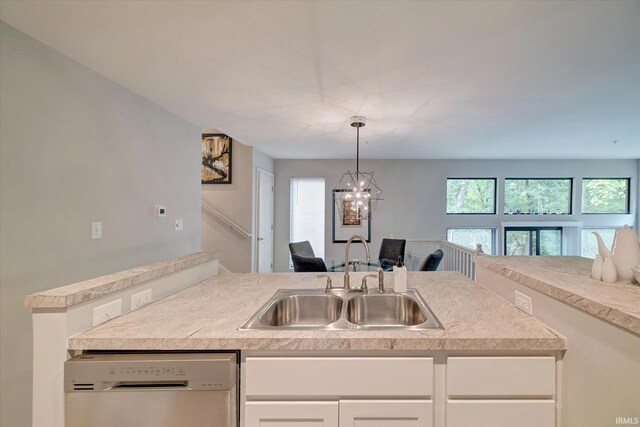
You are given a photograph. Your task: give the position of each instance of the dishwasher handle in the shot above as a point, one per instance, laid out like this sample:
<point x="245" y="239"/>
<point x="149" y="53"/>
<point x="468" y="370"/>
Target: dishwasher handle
<point x="146" y="385"/>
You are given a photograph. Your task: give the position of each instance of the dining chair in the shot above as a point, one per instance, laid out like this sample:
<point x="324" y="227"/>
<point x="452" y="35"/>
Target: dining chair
<point x="390" y="251"/>
<point x="304" y="264"/>
<point x="301" y="248"/>
<point x="432" y="261"/>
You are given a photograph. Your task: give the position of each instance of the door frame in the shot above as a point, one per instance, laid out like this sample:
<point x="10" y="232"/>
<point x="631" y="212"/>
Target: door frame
<point x="256" y="256"/>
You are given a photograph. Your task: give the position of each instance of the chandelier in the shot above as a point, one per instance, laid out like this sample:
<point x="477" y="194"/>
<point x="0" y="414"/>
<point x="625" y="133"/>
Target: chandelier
<point x="356" y="195"/>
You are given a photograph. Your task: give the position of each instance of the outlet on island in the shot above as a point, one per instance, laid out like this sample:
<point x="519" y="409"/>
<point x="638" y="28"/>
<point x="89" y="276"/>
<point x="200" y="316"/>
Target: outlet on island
<point x="140" y="299"/>
<point x="523" y="302"/>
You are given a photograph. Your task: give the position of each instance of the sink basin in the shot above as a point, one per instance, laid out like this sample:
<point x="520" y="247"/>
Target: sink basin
<point x="302" y="310"/>
<point x="313" y="309"/>
<point x="386" y="310"/>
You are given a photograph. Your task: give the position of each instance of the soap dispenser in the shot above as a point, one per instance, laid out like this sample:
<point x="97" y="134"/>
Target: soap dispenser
<point x="400" y="276"/>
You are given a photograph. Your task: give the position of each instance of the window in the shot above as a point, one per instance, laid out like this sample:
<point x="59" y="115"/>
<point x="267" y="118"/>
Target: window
<point x="590" y="244"/>
<point x="470" y="237"/>
<point x="471" y="195"/>
<point x="541" y="196"/>
<point x="605" y="196"/>
<point x="307" y="206"/>
<point x="533" y="241"/>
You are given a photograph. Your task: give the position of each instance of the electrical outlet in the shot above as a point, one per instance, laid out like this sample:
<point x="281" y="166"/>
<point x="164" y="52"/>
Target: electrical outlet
<point x="523" y="302"/>
<point x="140" y="299"/>
<point x="96" y="230"/>
<point x="179" y="224"/>
<point x="107" y="311"/>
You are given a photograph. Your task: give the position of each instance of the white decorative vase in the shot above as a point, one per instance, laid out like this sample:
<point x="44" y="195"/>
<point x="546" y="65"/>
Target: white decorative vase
<point x="596" y="269"/>
<point x="609" y="271"/>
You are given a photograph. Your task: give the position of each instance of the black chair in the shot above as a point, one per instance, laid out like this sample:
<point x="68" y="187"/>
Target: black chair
<point x="390" y="251"/>
<point x="304" y="264"/>
<point x="301" y="248"/>
<point x="432" y="261"/>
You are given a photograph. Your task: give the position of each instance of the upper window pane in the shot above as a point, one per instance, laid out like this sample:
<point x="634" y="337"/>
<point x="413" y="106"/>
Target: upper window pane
<point x="605" y="195"/>
<point x="537" y="196"/>
<point x="471" y="195"/>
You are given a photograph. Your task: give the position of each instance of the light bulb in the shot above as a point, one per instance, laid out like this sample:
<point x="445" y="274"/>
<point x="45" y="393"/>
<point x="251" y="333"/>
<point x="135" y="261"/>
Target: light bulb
<point x="359" y="203"/>
<point x="361" y="182"/>
<point x="358" y="195"/>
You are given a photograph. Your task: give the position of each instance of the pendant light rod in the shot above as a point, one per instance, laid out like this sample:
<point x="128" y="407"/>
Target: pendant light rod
<point x="357" y="152"/>
<point x="357" y="122"/>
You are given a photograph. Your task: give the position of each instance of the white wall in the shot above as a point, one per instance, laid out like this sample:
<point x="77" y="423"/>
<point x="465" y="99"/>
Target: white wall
<point x="75" y="148"/>
<point x="414" y="203"/>
<point x="237" y="202"/>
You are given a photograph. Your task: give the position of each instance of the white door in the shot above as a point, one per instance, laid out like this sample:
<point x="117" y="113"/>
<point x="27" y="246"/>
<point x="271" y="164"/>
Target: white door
<point x="291" y="414"/>
<point x="386" y="413"/>
<point x="264" y="229"/>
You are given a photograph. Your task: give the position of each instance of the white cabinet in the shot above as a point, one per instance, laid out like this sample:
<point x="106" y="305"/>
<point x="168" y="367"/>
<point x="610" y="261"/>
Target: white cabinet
<point x="501" y="391"/>
<point x="327" y="377"/>
<point x="497" y="377"/>
<point x="501" y="413"/>
<point x="488" y="391"/>
<point x="386" y="413"/>
<point x="291" y="414"/>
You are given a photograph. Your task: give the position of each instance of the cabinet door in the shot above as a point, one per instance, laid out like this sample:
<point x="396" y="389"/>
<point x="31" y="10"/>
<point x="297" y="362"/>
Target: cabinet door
<point x="386" y="413"/>
<point x="501" y="413"/>
<point x="291" y="414"/>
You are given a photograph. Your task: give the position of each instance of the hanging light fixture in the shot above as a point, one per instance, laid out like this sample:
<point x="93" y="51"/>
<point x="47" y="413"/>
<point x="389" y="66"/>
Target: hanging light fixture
<point x="356" y="195"/>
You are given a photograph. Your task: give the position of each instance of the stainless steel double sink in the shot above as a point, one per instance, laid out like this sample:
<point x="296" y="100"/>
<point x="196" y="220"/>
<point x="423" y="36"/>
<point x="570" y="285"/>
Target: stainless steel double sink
<point x="313" y="309"/>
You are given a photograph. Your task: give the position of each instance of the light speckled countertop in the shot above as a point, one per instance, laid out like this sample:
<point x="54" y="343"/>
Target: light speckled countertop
<point x="568" y="279"/>
<point x="76" y="293"/>
<point x="206" y="316"/>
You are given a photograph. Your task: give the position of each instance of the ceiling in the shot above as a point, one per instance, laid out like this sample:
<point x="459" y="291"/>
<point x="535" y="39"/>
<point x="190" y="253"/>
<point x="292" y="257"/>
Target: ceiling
<point x="456" y="79"/>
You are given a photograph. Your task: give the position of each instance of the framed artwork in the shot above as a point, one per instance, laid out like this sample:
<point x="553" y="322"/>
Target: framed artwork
<point x="351" y="223"/>
<point x="216" y="159"/>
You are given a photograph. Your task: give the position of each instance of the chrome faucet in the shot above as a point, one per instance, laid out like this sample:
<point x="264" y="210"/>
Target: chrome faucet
<point x="347" y="285"/>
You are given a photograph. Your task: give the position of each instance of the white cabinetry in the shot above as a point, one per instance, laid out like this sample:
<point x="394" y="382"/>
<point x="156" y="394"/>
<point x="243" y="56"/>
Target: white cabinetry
<point x="386" y="413"/>
<point x="501" y="413"/>
<point x="400" y="392"/>
<point x="501" y="391"/>
<point x="291" y="414"/>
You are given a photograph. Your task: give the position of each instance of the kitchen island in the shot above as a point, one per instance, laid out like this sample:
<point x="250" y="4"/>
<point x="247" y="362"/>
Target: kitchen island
<point x="490" y="363"/>
<point x="207" y="316"/>
<point x="601" y="321"/>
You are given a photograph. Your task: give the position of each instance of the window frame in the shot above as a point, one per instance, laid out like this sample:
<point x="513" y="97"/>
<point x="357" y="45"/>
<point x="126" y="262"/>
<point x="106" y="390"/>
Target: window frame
<point x="495" y="195"/>
<point x="571" y="182"/>
<point x="494" y="235"/>
<point x="298" y="178"/>
<point x="537" y="229"/>
<point x="628" y="204"/>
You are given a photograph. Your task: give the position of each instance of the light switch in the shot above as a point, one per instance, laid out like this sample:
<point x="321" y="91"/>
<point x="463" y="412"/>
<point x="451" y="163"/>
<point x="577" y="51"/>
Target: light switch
<point x="96" y="230"/>
<point x="179" y="224"/>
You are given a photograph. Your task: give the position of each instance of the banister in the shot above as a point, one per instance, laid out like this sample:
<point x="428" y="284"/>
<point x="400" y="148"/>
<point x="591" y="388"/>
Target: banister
<point x="232" y="225"/>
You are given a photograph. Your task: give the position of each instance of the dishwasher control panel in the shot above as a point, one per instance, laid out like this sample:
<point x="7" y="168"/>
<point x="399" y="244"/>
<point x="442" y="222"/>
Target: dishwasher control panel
<point x="127" y="372"/>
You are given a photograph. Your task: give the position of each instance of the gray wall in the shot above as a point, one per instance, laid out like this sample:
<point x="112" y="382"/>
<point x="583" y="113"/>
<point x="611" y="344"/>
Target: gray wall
<point x="415" y="195"/>
<point x="75" y="148"/>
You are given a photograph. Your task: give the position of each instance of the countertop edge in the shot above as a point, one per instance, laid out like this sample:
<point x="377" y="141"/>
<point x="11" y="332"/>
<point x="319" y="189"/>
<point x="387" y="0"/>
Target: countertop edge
<point x="80" y="292"/>
<point x="598" y="309"/>
<point x="323" y="344"/>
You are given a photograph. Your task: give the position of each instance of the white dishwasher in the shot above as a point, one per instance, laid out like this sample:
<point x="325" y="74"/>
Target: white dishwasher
<point x="151" y="389"/>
